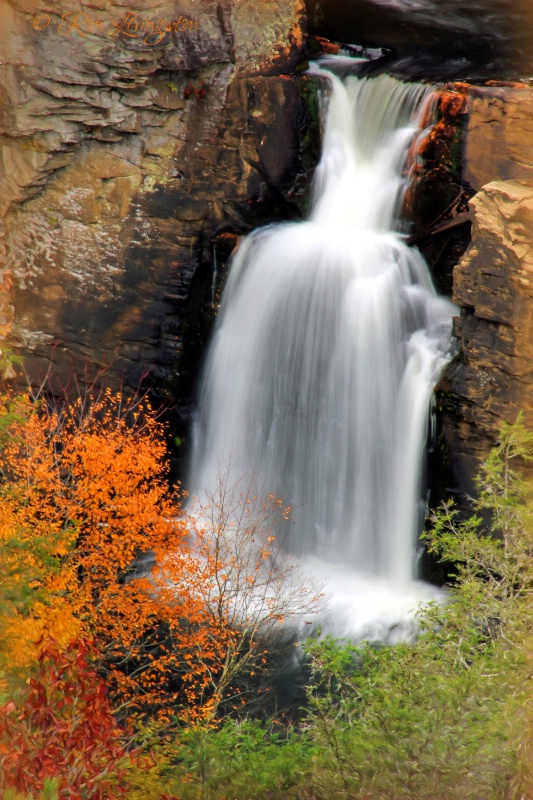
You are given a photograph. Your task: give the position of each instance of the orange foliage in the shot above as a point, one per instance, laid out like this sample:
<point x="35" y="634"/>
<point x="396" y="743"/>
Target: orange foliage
<point x="34" y="539"/>
<point x="84" y="496"/>
<point x="85" y="491"/>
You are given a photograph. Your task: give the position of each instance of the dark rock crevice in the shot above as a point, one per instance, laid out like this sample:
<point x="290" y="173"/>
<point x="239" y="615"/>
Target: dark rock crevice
<point x="460" y="39"/>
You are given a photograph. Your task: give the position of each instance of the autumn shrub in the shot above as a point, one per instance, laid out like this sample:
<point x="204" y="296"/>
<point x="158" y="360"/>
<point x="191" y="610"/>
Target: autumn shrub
<point x="35" y="545"/>
<point x="165" y="618"/>
<point x="94" y="544"/>
<point x="247" y="587"/>
<point x="63" y="729"/>
<point x="83" y="491"/>
<point x="49" y="792"/>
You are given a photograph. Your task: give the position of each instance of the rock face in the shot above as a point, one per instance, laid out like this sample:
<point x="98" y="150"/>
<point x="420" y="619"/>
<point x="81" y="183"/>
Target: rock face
<point x="492" y="378"/>
<point x="498" y="143"/>
<point x="133" y="141"/>
<point x="136" y="146"/>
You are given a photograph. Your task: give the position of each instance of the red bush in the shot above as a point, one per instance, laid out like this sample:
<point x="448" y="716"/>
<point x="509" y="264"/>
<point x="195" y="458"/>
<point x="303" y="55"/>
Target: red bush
<point x="63" y="729"/>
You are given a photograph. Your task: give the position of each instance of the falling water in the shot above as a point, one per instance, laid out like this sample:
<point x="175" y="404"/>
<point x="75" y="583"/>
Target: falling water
<point x="329" y="341"/>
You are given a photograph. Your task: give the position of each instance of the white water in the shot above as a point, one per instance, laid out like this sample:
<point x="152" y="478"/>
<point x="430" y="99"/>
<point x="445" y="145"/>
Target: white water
<point x="329" y="341"/>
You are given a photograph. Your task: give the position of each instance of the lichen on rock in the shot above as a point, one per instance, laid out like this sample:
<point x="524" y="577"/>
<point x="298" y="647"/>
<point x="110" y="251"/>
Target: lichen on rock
<point x="123" y="155"/>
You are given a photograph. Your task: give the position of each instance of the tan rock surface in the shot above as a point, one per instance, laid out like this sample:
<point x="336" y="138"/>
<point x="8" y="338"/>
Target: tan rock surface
<point x="499" y="136"/>
<point x="122" y="156"/>
<point x="492" y="380"/>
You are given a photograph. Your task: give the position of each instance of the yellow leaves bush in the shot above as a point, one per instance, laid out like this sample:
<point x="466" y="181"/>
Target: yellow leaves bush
<point x="33" y="539"/>
<point x="83" y="490"/>
<point x="94" y="545"/>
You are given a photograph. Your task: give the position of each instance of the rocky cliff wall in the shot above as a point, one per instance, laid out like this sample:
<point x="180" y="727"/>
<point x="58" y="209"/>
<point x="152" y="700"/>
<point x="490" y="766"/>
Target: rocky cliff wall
<point x="132" y="138"/>
<point x="132" y="158"/>
<point x="491" y="380"/>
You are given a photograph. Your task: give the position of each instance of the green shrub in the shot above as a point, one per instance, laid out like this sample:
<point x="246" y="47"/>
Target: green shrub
<point x="239" y="760"/>
<point x="446" y="717"/>
<point x="49" y="792"/>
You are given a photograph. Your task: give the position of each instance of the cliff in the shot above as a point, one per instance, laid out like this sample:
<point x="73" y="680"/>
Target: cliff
<point x="136" y="146"/>
<point x="491" y="379"/>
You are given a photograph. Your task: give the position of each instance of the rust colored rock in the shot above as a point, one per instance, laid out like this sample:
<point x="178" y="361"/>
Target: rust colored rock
<point x="436" y="201"/>
<point x="477" y="164"/>
<point x="435" y="168"/>
<point x="327" y="47"/>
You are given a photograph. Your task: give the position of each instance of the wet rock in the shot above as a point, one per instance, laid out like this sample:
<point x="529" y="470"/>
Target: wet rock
<point x="476" y="171"/>
<point x="458" y="39"/>
<point x="436" y="200"/>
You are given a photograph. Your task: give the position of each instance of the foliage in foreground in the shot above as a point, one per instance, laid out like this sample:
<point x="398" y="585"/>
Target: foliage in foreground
<point x="448" y="716"/>
<point x="67" y="729"/>
<point x="84" y="501"/>
<point x="83" y="491"/>
<point x="443" y="718"/>
<point x="84" y="494"/>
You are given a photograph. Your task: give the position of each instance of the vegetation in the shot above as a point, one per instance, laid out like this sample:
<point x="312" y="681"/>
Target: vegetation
<point x="67" y="729"/>
<point x="448" y="716"/>
<point x="133" y="635"/>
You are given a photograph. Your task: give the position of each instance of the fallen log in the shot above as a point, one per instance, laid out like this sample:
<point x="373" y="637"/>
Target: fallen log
<point x="459" y="219"/>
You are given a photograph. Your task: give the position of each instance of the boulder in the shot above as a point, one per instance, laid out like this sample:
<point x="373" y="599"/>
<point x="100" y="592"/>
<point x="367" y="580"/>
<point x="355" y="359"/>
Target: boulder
<point x="471" y="210"/>
<point x="498" y="142"/>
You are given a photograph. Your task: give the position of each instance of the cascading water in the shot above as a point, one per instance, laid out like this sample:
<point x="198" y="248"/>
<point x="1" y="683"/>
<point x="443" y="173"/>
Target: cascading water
<point x="329" y="341"/>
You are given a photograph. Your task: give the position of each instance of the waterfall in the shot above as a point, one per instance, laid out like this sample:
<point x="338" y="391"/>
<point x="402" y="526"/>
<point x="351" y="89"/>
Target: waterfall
<point x="329" y="340"/>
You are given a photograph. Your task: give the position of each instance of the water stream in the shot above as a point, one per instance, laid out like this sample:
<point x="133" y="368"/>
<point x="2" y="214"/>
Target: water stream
<point x="329" y="341"/>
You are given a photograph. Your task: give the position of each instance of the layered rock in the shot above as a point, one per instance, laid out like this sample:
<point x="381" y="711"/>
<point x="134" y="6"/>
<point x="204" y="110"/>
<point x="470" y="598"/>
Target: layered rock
<point x="491" y="380"/>
<point x="498" y="143"/>
<point x="125" y="154"/>
<point x="132" y="159"/>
